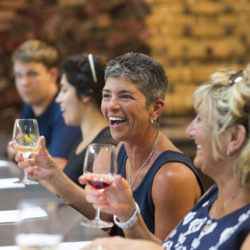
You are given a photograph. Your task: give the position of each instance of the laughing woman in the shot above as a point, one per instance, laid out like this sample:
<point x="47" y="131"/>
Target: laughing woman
<point x="221" y="219"/>
<point x="162" y="179"/>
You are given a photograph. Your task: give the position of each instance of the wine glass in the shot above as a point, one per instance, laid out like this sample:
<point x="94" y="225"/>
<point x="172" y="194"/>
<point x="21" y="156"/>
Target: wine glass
<point x="38" y="224"/>
<point x="25" y="136"/>
<point x="99" y="165"/>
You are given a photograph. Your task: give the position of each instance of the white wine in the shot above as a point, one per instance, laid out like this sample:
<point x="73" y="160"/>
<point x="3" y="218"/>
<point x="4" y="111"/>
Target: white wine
<point x="26" y="150"/>
<point x="38" y="241"/>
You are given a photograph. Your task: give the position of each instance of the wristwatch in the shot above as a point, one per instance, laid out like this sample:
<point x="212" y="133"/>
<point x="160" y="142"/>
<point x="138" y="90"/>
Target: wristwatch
<point x="131" y="221"/>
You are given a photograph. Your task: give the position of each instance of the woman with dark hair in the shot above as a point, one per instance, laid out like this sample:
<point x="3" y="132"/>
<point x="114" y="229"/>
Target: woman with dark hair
<point x="82" y="81"/>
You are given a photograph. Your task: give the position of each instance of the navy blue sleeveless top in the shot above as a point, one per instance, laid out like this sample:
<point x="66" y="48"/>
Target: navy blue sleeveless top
<point x="198" y="231"/>
<point x="143" y="193"/>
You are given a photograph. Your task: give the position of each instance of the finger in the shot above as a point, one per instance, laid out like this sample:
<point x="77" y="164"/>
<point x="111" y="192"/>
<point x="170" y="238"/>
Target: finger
<point x="19" y="157"/>
<point x="11" y="145"/>
<point x="120" y="182"/>
<point x="82" y="179"/>
<point x="42" y="145"/>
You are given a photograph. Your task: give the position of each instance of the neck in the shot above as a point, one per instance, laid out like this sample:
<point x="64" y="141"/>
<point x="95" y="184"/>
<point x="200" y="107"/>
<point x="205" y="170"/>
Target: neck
<point x="140" y="147"/>
<point x="40" y="107"/>
<point x="92" y="124"/>
<point x="132" y="181"/>
<point x="231" y="196"/>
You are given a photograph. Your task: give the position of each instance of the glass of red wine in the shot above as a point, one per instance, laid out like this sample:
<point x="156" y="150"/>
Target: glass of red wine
<point x="98" y="167"/>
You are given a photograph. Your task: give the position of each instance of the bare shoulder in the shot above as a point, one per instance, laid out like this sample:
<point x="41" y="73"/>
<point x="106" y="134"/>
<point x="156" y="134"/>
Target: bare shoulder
<point x="246" y="243"/>
<point x="177" y="178"/>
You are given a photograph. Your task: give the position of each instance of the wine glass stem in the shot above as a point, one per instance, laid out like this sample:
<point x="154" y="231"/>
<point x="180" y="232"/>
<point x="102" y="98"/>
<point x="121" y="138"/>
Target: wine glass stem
<point x="97" y="214"/>
<point x="25" y="178"/>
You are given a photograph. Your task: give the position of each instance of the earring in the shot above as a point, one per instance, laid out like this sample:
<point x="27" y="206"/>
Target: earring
<point x="152" y="120"/>
<point x="228" y="153"/>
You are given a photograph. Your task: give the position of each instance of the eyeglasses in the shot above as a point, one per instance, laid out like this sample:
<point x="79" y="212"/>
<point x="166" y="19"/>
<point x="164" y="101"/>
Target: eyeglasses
<point x="235" y="77"/>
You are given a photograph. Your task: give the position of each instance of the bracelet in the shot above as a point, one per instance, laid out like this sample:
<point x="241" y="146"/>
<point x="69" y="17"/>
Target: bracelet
<point x="130" y="222"/>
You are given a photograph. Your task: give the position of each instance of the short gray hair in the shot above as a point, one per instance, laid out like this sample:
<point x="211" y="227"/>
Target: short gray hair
<point x="146" y="73"/>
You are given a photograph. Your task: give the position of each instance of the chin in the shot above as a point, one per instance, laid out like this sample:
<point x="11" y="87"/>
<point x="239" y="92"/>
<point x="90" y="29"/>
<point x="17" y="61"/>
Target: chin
<point x="197" y="163"/>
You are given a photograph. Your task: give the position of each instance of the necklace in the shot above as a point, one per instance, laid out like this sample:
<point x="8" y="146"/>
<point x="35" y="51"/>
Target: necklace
<point x="210" y="221"/>
<point x="229" y="200"/>
<point x="143" y="164"/>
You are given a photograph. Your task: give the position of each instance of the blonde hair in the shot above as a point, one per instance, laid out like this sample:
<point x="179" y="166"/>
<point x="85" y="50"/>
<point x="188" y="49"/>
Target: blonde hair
<point x="37" y="51"/>
<point x="226" y="98"/>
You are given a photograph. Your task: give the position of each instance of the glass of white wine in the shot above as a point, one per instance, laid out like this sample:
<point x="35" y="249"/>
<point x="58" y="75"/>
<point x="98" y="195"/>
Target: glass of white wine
<point x="99" y="166"/>
<point x="26" y="135"/>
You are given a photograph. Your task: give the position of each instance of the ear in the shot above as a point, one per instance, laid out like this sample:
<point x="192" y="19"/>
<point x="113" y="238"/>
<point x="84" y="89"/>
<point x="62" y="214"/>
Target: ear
<point x="237" y="137"/>
<point x="157" y="108"/>
<point x="86" y="99"/>
<point x="53" y="72"/>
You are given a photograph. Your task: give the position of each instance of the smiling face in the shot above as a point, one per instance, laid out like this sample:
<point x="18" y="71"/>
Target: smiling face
<point x="69" y="103"/>
<point x="200" y="130"/>
<point x="124" y="107"/>
<point x="33" y="81"/>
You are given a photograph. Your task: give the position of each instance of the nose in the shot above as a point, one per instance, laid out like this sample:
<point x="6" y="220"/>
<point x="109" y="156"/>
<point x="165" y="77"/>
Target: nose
<point x="190" y="131"/>
<point x="114" y="103"/>
<point x="58" y="98"/>
<point x="24" y="80"/>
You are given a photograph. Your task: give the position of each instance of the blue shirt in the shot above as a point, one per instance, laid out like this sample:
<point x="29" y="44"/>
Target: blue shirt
<point x="59" y="137"/>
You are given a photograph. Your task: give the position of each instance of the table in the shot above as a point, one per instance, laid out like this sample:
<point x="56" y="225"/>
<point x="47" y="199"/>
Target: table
<point x="72" y="230"/>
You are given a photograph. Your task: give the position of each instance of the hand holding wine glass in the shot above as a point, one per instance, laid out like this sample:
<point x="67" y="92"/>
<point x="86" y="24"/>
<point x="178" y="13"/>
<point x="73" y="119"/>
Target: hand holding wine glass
<point x="25" y="136"/>
<point x="98" y="166"/>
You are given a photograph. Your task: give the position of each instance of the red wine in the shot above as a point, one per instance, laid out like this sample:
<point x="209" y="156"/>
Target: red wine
<point x="99" y="184"/>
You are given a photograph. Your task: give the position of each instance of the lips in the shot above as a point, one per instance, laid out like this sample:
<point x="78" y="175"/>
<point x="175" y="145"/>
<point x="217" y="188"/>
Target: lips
<point x="116" y="120"/>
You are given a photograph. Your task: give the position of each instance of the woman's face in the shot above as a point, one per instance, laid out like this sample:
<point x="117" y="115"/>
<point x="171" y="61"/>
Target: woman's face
<point x="200" y="130"/>
<point x="124" y="107"/>
<point x="69" y="103"/>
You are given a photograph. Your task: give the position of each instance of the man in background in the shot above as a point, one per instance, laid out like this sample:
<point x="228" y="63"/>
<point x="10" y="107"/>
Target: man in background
<point x="35" y="71"/>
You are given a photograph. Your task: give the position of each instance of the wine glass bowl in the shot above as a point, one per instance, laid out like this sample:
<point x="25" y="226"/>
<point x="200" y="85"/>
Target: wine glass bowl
<point x="26" y="135"/>
<point x="98" y="167"/>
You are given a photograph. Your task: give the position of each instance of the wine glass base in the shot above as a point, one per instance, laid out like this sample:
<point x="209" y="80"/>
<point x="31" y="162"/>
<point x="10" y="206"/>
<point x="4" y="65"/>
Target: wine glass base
<point x="96" y="223"/>
<point x="27" y="182"/>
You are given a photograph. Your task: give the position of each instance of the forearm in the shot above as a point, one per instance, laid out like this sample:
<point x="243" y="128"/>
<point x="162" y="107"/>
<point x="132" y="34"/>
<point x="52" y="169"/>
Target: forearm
<point x="140" y="231"/>
<point x="71" y="194"/>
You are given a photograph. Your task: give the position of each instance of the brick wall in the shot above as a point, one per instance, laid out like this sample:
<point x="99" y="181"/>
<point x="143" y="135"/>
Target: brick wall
<point x="192" y="38"/>
<point x="110" y="27"/>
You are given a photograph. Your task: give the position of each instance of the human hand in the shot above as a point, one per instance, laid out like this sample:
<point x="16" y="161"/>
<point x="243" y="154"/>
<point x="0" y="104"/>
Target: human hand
<point x="40" y="165"/>
<point x="11" y="151"/>
<point x="117" y="199"/>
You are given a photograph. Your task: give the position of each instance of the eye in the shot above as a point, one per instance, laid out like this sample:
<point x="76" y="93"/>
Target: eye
<point x="197" y="118"/>
<point x="32" y="74"/>
<point x="105" y="96"/>
<point x="126" y="97"/>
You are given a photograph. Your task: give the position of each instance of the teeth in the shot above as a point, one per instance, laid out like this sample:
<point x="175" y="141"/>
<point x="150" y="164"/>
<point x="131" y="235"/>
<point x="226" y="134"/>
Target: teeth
<point x="115" y="119"/>
<point x="198" y="147"/>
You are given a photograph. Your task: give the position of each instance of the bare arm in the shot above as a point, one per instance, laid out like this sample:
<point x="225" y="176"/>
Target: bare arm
<point x="41" y="166"/>
<point x="246" y="243"/>
<point x="175" y="191"/>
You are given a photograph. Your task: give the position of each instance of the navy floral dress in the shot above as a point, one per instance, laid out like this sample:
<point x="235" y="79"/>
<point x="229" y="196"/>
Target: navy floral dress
<point x="198" y="231"/>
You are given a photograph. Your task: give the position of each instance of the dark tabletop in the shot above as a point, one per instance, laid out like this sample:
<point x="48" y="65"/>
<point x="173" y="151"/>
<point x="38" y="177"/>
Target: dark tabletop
<point x="70" y="218"/>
